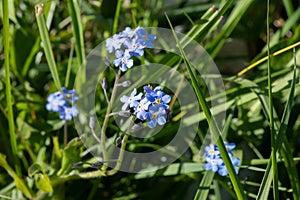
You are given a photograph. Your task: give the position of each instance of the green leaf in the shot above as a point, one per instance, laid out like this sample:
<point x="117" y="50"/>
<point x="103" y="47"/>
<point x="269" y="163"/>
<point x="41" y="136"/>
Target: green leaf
<point x="24" y="128"/>
<point x="42" y="182"/>
<point x="41" y="179"/>
<point x="18" y="181"/>
<point x="71" y="155"/>
<point x="34" y="169"/>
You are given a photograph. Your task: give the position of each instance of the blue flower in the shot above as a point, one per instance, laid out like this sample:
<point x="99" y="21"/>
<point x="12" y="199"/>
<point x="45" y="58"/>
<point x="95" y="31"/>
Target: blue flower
<point x="141" y="109"/>
<point x="156" y="115"/>
<point x="214" y="161"/>
<point x="70" y="94"/>
<point x="211" y="151"/>
<point x="58" y="102"/>
<point x="229" y="146"/>
<point x="131" y="101"/>
<point x="123" y="60"/>
<point x="114" y="43"/>
<point x="129" y="43"/>
<point x="128" y="33"/>
<point x="67" y="112"/>
<point x="157" y="97"/>
<point x="55" y="101"/>
<point x="151" y="107"/>
<point x="134" y="47"/>
<point x="145" y="39"/>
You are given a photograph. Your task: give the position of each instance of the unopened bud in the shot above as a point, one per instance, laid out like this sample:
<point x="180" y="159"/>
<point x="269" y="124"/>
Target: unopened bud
<point x="103" y="83"/>
<point x="106" y="61"/>
<point x="118" y="141"/>
<point x="124" y="113"/>
<point x="77" y="165"/>
<point x="97" y="164"/>
<point x="92" y="123"/>
<point x="125" y="84"/>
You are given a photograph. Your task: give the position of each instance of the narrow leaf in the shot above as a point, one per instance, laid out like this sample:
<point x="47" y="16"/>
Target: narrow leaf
<point x="18" y="181"/>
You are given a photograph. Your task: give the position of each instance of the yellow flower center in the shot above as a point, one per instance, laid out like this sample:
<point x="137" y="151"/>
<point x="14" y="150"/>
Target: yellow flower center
<point x="154" y="115"/>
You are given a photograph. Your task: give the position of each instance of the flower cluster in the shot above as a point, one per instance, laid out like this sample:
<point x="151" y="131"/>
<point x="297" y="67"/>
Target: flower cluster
<point x="58" y="102"/>
<point x="152" y="106"/>
<point x="129" y="43"/>
<point x="215" y="163"/>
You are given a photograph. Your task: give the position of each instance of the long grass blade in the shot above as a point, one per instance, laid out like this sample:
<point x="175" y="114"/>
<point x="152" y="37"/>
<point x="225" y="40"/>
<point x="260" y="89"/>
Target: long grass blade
<point x="239" y="10"/>
<point x="46" y="43"/>
<point x="211" y="121"/>
<point x="12" y="133"/>
<point x="271" y="118"/>
<point x="204" y="186"/>
<point x="79" y="40"/>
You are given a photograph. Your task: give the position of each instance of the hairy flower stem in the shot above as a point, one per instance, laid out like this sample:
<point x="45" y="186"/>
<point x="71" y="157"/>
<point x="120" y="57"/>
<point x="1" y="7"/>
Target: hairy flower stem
<point x="65" y="133"/>
<point x="122" y="150"/>
<point x="106" y="118"/>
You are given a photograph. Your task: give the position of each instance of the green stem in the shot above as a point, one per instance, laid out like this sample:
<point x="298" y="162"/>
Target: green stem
<point x="116" y="19"/>
<point x="272" y="130"/>
<point x="106" y="118"/>
<point x="65" y="133"/>
<point x="13" y="140"/>
<point x="122" y="150"/>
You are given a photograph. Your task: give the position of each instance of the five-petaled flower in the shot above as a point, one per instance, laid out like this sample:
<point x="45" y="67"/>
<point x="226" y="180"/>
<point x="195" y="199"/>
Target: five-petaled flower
<point x="215" y="163"/>
<point x="58" y="102"/>
<point x="129" y="43"/>
<point x="152" y="106"/>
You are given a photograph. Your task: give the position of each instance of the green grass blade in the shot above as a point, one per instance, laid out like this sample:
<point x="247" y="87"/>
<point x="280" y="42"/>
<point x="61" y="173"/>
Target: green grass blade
<point x="116" y="19"/>
<point x="69" y="65"/>
<point x="12" y="133"/>
<point x="281" y="138"/>
<point x="211" y="121"/>
<point x="271" y="118"/>
<point x="288" y="5"/>
<point x="18" y="181"/>
<point x="290" y="22"/>
<point x="33" y="52"/>
<point x="239" y="10"/>
<point x="204" y="186"/>
<point x="77" y="29"/>
<point x="199" y="31"/>
<point x="170" y="170"/>
<point x="79" y="40"/>
<point x="46" y="44"/>
<point x="293" y="174"/>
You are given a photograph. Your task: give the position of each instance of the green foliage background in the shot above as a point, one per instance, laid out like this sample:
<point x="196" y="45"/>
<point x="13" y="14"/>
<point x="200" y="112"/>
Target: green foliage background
<point x="35" y="163"/>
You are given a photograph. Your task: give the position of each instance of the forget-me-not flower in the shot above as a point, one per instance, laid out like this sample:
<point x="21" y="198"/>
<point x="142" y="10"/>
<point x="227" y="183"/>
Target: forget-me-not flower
<point x="151" y="107"/>
<point x="215" y="163"/>
<point x="156" y="115"/>
<point x="128" y="43"/>
<point x="131" y="101"/>
<point x="60" y="102"/>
